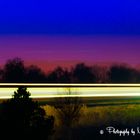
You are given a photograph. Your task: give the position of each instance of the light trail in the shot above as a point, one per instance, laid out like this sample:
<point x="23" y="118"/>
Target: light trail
<point x="66" y="85"/>
<point x="77" y="90"/>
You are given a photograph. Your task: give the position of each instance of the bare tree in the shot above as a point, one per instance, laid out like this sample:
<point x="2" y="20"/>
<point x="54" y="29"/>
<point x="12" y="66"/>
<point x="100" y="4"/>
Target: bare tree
<point x="69" y="109"/>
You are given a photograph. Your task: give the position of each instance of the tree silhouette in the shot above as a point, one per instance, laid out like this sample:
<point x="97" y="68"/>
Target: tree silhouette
<point x="100" y="73"/>
<point x="68" y="109"/>
<point x="1" y="74"/>
<point x="83" y="74"/>
<point x="14" y="71"/>
<point x="137" y="75"/>
<point x="35" y="74"/>
<point x="59" y="75"/>
<point x="21" y="116"/>
<point x="121" y="74"/>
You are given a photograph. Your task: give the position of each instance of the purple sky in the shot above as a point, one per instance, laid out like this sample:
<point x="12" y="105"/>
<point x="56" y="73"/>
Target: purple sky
<point x="50" y="51"/>
<point x="59" y="32"/>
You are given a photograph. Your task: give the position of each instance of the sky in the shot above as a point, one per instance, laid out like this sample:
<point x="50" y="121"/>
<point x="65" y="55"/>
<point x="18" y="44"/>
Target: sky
<point x="51" y="32"/>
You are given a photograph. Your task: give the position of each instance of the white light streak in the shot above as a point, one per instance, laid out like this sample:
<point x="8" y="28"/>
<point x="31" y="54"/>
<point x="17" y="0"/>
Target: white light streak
<point x="77" y="90"/>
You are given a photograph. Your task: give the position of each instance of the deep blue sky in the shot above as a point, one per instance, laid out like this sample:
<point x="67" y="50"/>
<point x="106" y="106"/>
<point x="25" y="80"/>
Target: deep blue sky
<point x="70" y="17"/>
<point x="64" y="32"/>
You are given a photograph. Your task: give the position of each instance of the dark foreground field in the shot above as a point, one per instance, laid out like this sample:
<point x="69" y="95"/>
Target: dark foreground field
<point x="100" y="118"/>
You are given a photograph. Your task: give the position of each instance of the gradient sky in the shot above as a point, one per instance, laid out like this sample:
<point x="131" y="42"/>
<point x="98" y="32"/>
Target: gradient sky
<point x="52" y="32"/>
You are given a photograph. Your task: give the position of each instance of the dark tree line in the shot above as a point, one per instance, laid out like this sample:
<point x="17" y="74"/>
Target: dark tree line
<point x="15" y="71"/>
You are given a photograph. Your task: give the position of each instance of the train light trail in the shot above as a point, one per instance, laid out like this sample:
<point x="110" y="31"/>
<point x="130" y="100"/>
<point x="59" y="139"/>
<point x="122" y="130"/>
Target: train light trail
<point x="77" y="90"/>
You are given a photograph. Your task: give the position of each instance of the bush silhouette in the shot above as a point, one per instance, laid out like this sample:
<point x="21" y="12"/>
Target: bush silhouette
<point x="23" y="118"/>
